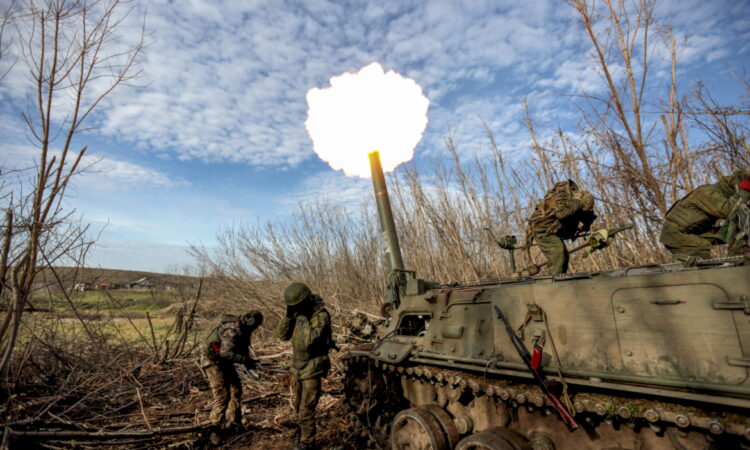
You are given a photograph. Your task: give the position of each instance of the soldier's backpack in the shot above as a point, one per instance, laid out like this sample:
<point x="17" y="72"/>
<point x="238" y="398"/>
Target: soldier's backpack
<point x="213" y="342"/>
<point x="543" y="218"/>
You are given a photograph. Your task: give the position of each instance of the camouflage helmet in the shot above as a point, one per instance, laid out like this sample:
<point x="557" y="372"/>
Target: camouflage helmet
<point x="296" y="293"/>
<point x="568" y="186"/>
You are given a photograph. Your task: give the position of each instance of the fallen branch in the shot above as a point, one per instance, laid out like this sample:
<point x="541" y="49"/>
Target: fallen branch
<point x="106" y="435"/>
<point x="143" y="410"/>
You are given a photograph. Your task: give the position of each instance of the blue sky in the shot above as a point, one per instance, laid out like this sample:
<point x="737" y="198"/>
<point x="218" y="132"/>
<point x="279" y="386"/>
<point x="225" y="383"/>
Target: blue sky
<point x="215" y="132"/>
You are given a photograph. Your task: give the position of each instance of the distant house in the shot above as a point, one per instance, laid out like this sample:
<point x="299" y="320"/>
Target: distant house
<point x="81" y="287"/>
<point x="102" y="285"/>
<point x="141" y="283"/>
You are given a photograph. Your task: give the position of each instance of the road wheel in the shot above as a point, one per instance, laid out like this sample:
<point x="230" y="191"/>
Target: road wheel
<point x="446" y="423"/>
<point x="417" y="429"/>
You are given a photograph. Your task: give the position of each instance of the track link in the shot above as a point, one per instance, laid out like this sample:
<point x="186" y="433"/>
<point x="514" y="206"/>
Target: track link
<point x="383" y="387"/>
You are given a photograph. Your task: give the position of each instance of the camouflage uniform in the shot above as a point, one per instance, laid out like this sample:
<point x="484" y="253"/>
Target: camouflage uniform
<point x="563" y="212"/>
<point x="308" y="325"/>
<point x="227" y="345"/>
<point x="689" y="226"/>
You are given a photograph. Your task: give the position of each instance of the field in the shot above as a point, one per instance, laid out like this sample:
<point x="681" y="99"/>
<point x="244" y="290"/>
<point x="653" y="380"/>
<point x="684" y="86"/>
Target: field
<point x="129" y="315"/>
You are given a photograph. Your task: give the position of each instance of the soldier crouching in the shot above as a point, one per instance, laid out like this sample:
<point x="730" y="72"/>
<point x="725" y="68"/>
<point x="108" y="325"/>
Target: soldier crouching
<point x="229" y="344"/>
<point x="308" y="325"/>
<point x="565" y="212"/>
<point x="690" y="228"/>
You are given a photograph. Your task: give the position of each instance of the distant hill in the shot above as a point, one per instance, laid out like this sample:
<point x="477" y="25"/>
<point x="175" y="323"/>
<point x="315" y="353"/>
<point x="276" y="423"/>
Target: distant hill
<point x="70" y="275"/>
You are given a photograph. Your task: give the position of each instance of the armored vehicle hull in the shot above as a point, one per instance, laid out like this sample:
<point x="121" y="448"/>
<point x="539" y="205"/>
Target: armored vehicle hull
<point x="645" y="357"/>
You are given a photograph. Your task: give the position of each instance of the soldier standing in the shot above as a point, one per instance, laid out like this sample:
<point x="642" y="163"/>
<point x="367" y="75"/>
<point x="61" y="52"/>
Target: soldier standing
<point x="565" y="212"/>
<point x="690" y="224"/>
<point x="227" y="345"/>
<point x="308" y="325"/>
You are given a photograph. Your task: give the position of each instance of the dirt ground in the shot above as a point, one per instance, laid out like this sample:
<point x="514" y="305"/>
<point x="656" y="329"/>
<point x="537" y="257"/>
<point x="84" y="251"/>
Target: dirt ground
<point x="271" y="424"/>
<point x="276" y="428"/>
<point x="267" y="408"/>
<point x="154" y="399"/>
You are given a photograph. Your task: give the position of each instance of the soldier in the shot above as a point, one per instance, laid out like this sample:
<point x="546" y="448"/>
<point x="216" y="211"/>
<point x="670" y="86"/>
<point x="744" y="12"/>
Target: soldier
<point x="690" y="225"/>
<point x="308" y="325"/>
<point x="565" y="212"/>
<point x="227" y="345"/>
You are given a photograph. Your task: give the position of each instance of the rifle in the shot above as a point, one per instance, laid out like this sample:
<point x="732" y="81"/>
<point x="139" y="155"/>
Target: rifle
<point x="541" y="380"/>
<point x="595" y="244"/>
<point x="592" y="245"/>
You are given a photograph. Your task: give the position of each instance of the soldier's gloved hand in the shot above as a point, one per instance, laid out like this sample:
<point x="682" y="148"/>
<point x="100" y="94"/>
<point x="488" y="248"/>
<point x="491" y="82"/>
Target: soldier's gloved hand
<point x="599" y="238"/>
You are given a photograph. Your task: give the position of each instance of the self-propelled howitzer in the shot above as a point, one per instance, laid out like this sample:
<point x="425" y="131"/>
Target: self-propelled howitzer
<point x="648" y="357"/>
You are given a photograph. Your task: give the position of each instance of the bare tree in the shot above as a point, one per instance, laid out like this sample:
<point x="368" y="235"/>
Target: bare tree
<point x="624" y="37"/>
<point x="75" y="58"/>
<point x="726" y="127"/>
<point x="5" y="19"/>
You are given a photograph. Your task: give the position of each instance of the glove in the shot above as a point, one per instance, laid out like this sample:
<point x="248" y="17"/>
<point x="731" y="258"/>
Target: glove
<point x="599" y="238"/>
<point x="600" y="235"/>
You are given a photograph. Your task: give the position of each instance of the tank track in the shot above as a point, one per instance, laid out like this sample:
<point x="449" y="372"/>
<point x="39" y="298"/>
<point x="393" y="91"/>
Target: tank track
<point x="589" y="406"/>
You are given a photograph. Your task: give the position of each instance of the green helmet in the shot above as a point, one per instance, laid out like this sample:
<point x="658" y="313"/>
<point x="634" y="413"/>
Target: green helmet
<point x="296" y="293"/>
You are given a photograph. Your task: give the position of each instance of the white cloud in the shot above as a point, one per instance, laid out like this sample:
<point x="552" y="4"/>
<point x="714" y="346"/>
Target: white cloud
<point x="226" y="80"/>
<point x="113" y="175"/>
<point x="576" y="76"/>
<point x="330" y="186"/>
<point x="140" y="255"/>
<point x="96" y="172"/>
<point x="235" y="92"/>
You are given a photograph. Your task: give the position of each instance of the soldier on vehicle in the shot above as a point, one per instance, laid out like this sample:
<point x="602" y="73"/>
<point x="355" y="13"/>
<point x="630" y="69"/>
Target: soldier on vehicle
<point x="690" y="227"/>
<point x="308" y="325"/>
<point x="565" y="212"/>
<point x="229" y="344"/>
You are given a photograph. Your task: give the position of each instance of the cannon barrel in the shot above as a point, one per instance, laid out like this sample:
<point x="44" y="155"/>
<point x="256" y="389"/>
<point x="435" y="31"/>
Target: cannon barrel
<point x="385" y="214"/>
